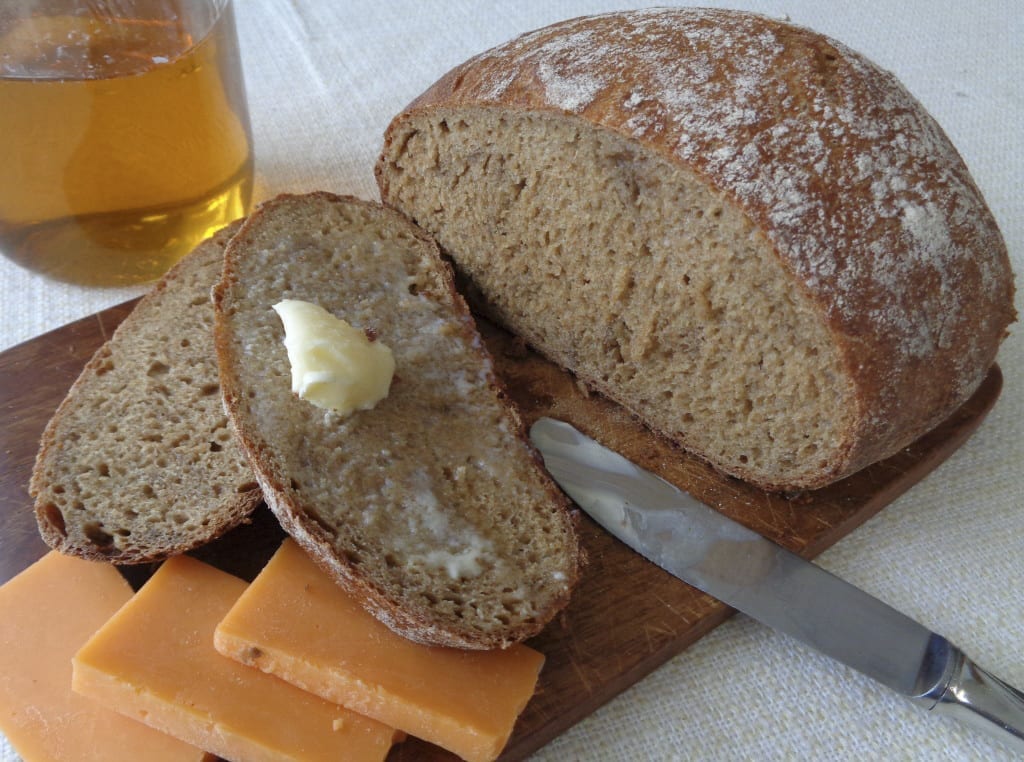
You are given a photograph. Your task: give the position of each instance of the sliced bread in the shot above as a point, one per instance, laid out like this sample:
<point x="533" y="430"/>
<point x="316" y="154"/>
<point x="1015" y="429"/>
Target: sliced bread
<point x="139" y="463"/>
<point x="741" y="230"/>
<point x="430" y="507"/>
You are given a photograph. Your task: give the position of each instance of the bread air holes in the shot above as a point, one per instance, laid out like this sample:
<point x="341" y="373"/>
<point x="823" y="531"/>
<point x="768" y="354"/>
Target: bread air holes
<point x="157" y="368"/>
<point x="53" y="517"/>
<point x="95" y="533"/>
<point x="517" y="189"/>
<point x="456" y="600"/>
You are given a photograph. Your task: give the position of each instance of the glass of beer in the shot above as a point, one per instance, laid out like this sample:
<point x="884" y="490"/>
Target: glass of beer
<point x="124" y="134"/>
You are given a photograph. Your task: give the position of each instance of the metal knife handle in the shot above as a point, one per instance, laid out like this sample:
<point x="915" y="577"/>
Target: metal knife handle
<point x="983" y="701"/>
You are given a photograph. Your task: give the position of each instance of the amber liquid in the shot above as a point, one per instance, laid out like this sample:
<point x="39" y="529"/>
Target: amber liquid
<point x="123" y="141"/>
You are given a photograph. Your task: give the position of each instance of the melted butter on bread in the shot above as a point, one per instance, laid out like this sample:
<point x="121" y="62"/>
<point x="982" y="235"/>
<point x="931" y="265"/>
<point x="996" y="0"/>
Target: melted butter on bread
<point x="334" y="365"/>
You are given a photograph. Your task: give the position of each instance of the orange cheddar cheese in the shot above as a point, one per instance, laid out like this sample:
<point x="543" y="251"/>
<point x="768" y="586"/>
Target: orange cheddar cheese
<point x="46" y="613"/>
<point x="296" y="623"/>
<point x="155" y="660"/>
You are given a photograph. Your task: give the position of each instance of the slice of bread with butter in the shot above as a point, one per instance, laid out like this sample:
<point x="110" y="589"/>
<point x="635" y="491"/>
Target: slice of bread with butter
<point x="430" y="507"/>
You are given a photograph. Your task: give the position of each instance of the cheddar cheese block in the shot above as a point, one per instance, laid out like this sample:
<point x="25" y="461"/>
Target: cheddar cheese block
<point x="46" y="613"/>
<point x="155" y="661"/>
<point x="296" y="623"/>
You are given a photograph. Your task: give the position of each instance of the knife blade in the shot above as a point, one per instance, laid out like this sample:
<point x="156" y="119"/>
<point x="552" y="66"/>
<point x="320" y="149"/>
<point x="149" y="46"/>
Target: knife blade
<point x="744" y="570"/>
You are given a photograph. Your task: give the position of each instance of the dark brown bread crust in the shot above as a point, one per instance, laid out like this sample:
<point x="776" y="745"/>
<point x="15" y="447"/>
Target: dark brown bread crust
<point x="293" y="509"/>
<point x="861" y="194"/>
<point x="179" y="508"/>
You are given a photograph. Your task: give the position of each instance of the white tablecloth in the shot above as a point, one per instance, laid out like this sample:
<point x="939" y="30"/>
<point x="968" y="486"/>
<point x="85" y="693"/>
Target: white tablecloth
<point x="324" y="78"/>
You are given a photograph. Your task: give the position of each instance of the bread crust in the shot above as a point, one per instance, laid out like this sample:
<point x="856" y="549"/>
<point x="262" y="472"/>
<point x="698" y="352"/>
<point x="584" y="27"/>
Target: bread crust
<point x="54" y="479"/>
<point x="866" y="203"/>
<point x="299" y="518"/>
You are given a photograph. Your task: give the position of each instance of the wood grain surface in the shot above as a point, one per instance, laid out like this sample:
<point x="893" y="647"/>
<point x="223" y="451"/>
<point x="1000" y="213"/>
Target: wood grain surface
<point x="627" y="616"/>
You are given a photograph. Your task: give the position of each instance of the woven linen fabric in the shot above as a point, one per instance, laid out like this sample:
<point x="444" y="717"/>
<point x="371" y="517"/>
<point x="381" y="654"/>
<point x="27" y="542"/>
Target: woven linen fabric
<point x="324" y="79"/>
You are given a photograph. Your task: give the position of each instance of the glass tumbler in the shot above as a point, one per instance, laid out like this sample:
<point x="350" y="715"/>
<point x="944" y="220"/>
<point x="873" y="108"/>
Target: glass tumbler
<point x="124" y="134"/>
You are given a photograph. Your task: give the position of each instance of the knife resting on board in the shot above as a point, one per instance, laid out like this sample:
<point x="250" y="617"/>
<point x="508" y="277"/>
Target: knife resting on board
<point x="763" y="580"/>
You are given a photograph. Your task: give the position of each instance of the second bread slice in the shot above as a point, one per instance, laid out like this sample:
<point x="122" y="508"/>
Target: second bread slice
<point x="431" y="507"/>
<point x="138" y="463"/>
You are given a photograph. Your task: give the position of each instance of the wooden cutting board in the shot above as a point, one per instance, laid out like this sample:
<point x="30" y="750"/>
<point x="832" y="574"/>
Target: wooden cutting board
<point x="627" y="616"/>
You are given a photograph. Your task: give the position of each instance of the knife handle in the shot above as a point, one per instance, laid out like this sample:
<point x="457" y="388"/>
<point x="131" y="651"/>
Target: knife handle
<point x="983" y="701"/>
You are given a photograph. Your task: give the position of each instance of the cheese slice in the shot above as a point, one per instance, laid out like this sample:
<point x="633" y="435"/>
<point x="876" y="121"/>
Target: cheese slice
<point x="296" y="623"/>
<point x="46" y="613"/>
<point x="155" y="661"/>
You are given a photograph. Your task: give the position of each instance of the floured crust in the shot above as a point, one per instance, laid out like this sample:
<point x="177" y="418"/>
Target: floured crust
<point x="865" y="201"/>
<point x="329" y="489"/>
<point x="138" y="463"/>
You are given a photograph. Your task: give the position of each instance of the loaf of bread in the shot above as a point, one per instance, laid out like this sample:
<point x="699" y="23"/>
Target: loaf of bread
<point x="430" y="507"/>
<point x="139" y="463"/>
<point x="744" y="232"/>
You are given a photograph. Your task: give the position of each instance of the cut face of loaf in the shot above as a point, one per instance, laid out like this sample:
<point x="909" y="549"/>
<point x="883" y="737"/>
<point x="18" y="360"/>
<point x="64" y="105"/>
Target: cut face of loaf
<point x="633" y="273"/>
<point x="430" y="507"/>
<point x="742" y="231"/>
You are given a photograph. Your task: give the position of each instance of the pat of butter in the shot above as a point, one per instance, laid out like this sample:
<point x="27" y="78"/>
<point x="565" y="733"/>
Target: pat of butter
<point x="334" y="365"/>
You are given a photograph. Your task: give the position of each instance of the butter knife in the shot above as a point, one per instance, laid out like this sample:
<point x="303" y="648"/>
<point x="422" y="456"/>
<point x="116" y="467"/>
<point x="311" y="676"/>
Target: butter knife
<point x="767" y="582"/>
